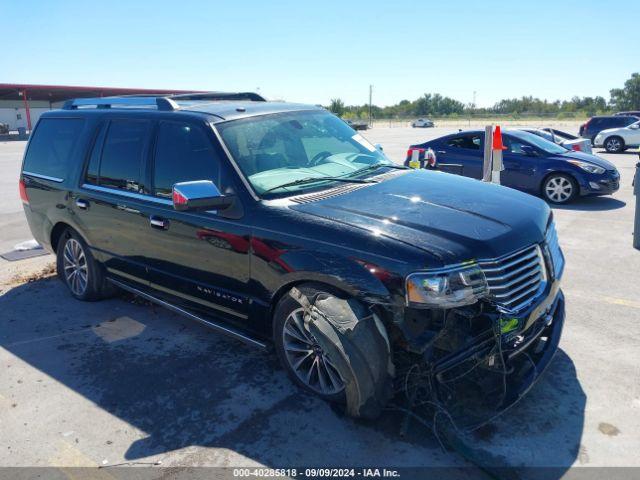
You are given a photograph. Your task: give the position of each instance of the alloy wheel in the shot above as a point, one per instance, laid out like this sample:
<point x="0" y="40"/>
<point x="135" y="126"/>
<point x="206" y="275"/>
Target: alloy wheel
<point x="76" y="271"/>
<point x="558" y="189"/>
<point x="306" y="357"/>
<point x="613" y="145"/>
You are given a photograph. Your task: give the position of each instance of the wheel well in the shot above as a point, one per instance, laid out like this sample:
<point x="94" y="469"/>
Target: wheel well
<point x="56" y="233"/>
<point x="282" y="291"/>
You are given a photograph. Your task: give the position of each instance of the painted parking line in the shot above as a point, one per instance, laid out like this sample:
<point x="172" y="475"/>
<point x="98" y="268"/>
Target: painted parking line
<point x="625" y="302"/>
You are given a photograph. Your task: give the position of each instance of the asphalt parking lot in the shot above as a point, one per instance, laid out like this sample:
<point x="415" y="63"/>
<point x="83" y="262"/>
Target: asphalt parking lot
<point x="86" y="384"/>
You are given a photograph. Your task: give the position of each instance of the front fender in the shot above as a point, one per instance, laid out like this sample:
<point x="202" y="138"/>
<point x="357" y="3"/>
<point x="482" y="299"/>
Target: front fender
<point x="355" y="277"/>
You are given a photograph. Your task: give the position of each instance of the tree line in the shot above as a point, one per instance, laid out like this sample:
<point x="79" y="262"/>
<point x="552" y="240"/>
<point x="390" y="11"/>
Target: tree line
<point x="434" y="104"/>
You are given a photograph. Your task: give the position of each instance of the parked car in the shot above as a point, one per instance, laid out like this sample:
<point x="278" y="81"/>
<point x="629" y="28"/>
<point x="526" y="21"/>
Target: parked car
<point x="633" y="113"/>
<point x="596" y="124"/>
<point x="578" y="144"/>
<point x="422" y="123"/>
<point x="616" y="140"/>
<point x="532" y="164"/>
<point x="277" y="224"/>
<point x="358" y="124"/>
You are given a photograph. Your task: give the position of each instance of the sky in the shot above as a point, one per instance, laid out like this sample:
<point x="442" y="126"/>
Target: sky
<point x="313" y="51"/>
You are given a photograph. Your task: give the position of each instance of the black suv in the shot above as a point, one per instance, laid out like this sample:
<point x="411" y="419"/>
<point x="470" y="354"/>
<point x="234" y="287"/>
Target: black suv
<point x="277" y="224"/>
<point x="595" y="125"/>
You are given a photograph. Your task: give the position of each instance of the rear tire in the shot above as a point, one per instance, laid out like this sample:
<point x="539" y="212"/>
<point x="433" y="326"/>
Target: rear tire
<point x="559" y="188"/>
<point x="614" y="144"/>
<point x="79" y="271"/>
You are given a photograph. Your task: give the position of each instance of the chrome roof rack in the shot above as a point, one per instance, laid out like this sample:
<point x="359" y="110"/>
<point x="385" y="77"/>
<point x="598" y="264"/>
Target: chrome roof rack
<point x="251" y="96"/>
<point x="160" y="102"/>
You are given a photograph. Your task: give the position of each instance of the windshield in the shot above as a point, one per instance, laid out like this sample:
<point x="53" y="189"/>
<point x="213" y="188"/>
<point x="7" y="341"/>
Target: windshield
<point x="539" y="142"/>
<point x="277" y="149"/>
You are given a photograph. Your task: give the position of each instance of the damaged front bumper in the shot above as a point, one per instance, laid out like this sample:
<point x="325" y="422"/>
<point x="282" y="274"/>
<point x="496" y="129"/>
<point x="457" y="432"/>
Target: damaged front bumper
<point x="525" y="355"/>
<point x="474" y="371"/>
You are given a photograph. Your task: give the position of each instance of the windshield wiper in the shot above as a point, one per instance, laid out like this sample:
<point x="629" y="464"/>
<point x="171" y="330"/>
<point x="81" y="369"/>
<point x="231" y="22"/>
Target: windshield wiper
<point x="375" y="166"/>
<point x="302" y="181"/>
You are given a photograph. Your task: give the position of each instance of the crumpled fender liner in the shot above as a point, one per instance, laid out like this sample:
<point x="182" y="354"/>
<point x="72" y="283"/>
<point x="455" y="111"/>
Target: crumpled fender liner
<point x="355" y="341"/>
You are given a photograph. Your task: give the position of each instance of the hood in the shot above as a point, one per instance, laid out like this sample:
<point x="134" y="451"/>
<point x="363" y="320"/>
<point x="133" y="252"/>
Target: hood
<point x="587" y="157"/>
<point x="453" y="218"/>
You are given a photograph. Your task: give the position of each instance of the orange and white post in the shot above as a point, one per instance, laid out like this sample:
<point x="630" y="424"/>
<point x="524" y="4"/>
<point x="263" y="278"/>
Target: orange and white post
<point x="496" y="155"/>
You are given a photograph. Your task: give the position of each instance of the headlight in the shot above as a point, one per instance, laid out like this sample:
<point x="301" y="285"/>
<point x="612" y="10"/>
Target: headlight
<point x="587" y="167"/>
<point x="446" y="288"/>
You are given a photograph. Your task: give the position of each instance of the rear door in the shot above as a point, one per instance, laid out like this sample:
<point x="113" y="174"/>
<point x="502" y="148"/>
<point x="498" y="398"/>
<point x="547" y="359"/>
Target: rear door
<point x="109" y="206"/>
<point x="201" y="258"/>
<point x="465" y="150"/>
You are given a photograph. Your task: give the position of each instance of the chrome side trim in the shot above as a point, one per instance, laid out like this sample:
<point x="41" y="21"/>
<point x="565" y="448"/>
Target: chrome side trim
<point x="217" y="327"/>
<point x="44" y="177"/>
<point x="124" y="193"/>
<point x="191" y="298"/>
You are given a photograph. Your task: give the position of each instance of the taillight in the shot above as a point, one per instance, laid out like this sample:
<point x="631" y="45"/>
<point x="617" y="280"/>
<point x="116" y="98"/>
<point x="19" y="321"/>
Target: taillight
<point x="23" y="192"/>
<point x="576" y="147"/>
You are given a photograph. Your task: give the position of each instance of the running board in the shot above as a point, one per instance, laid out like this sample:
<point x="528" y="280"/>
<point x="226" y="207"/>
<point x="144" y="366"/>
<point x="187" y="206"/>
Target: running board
<point x="208" y="323"/>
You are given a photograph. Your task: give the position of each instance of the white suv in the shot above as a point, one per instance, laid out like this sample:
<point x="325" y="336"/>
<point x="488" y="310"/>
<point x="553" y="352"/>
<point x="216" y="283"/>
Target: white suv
<point x="616" y="140"/>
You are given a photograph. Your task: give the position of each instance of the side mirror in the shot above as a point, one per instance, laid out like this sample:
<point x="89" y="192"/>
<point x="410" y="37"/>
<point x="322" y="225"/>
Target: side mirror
<point x="379" y="147"/>
<point x="199" y="195"/>
<point x="635" y="126"/>
<point x="529" y="151"/>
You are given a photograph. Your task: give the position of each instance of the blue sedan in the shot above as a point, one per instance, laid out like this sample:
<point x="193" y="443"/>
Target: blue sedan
<point x="531" y="164"/>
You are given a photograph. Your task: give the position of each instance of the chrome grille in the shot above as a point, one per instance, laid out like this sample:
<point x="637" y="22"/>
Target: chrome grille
<point x="514" y="280"/>
<point x="555" y="253"/>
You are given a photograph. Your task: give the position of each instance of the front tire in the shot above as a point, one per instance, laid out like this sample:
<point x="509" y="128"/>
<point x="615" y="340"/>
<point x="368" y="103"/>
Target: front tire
<point x="614" y="144"/>
<point x="559" y="188"/>
<point x="300" y="353"/>
<point x="78" y="270"/>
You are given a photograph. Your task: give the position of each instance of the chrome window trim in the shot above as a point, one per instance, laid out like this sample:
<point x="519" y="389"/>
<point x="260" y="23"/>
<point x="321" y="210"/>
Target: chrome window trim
<point x="124" y="193"/>
<point x="44" y="177"/>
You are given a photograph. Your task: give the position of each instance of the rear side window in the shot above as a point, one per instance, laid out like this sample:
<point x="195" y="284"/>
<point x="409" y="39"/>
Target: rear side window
<point x="122" y="155"/>
<point x="183" y="153"/>
<point x="625" y="121"/>
<point x="51" y="148"/>
<point x="471" y="142"/>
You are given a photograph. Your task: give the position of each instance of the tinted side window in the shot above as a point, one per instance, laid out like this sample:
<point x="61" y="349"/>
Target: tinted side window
<point x="183" y="153"/>
<point x="93" y="167"/>
<point x="624" y="121"/>
<point x="471" y="142"/>
<point x="513" y="145"/>
<point x="123" y="153"/>
<point x="52" y="145"/>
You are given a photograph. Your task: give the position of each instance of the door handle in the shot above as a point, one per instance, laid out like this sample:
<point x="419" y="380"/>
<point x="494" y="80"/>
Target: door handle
<point x="82" y="204"/>
<point x="158" y="222"/>
<point x="441" y="151"/>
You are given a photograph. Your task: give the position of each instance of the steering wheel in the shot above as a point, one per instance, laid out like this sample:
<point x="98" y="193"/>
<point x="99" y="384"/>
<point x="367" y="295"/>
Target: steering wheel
<point x="319" y="157"/>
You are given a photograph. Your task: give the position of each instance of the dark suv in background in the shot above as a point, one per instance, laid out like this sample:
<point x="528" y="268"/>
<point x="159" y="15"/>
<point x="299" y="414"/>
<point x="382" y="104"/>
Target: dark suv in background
<point x="277" y="224"/>
<point x="595" y="125"/>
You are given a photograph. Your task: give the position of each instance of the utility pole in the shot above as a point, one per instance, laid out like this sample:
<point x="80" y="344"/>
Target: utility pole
<point x="370" y="97"/>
